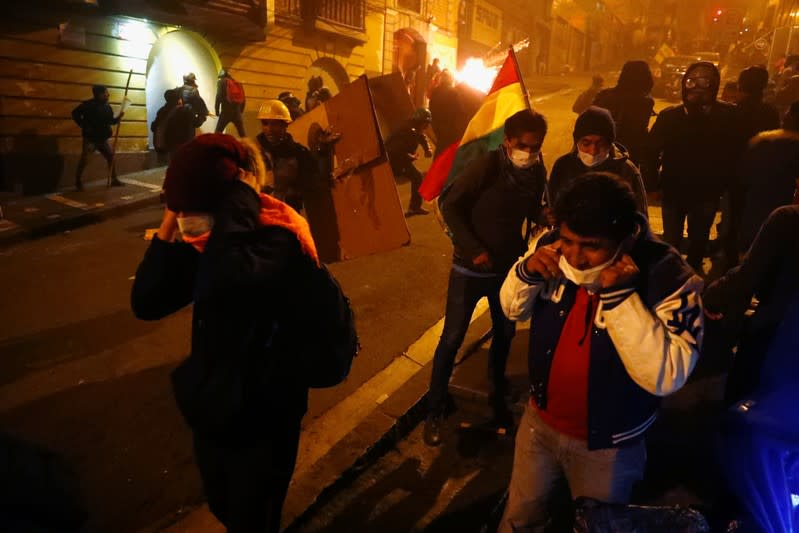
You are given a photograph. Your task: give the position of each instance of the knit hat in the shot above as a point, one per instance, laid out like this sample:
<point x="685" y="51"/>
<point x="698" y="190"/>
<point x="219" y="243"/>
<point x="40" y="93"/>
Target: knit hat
<point x="201" y="171"/>
<point x="595" y="121"/>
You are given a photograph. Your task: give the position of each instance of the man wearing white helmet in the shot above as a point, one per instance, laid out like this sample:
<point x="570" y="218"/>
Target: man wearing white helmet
<point x="292" y="166"/>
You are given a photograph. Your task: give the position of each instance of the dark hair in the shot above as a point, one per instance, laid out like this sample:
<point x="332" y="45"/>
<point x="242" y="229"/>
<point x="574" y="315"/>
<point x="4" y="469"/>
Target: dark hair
<point x="99" y="90"/>
<point x="597" y="204"/>
<point x="525" y="121"/>
<point x="753" y="80"/>
<point x="635" y="77"/>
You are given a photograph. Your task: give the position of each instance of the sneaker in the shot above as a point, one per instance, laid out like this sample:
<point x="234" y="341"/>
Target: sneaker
<point x="432" y="430"/>
<point x="116" y="183"/>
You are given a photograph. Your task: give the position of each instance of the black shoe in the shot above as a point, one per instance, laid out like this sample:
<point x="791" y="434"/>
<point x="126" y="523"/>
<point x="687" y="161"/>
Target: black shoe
<point x="116" y="183"/>
<point x="503" y="418"/>
<point x="79" y="186"/>
<point x="416" y="211"/>
<point x="432" y="430"/>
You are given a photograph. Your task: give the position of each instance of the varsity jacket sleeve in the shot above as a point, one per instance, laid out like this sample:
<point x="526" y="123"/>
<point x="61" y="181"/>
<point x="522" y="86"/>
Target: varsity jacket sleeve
<point x="519" y="291"/>
<point x="658" y="346"/>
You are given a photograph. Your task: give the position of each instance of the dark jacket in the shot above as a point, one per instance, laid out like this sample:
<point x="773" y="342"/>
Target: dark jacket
<point x="645" y="338"/>
<point x="769" y="170"/>
<point x="757" y="117"/>
<point x="239" y="375"/>
<point x="95" y="119"/>
<point x="697" y="154"/>
<point x="486" y="206"/>
<point x="569" y="166"/>
<point x="221" y="104"/>
<point x="631" y="113"/>
<point x="402" y="143"/>
<point x="769" y="272"/>
<point x="193" y="101"/>
<point x="178" y="128"/>
<point x="292" y="164"/>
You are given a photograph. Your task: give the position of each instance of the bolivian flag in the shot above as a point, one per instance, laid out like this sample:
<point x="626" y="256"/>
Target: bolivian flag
<point x="484" y="132"/>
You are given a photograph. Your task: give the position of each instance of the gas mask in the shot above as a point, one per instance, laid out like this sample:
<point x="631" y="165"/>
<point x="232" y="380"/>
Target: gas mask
<point x="593" y="160"/>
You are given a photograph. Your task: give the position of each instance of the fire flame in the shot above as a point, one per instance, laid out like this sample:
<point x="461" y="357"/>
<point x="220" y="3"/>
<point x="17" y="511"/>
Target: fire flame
<point x="476" y="74"/>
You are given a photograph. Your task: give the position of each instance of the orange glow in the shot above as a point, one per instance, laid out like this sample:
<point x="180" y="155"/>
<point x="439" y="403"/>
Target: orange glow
<point x="476" y="74"/>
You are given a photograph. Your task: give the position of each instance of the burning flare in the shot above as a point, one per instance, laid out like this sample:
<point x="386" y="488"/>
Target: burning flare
<point x="476" y="74"/>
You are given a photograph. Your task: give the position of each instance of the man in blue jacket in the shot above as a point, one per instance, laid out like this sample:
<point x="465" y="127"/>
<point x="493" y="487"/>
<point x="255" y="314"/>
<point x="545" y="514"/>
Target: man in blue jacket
<point x="616" y="324"/>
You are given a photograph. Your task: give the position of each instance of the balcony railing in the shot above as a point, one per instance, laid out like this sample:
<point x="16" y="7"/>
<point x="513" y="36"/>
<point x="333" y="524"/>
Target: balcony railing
<point x="348" y="13"/>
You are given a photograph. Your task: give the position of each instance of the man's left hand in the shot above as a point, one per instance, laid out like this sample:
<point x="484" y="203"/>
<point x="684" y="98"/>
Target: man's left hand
<point x="621" y="272"/>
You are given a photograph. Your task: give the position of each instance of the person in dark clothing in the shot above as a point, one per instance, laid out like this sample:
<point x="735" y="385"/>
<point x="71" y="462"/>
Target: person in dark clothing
<point x="770" y="170"/>
<point x="239" y="257"/>
<point x="292" y="166"/>
<point x="595" y="150"/>
<point x="755" y="116"/>
<point x="449" y="116"/>
<point x="615" y="324"/>
<point x="767" y="272"/>
<point x="230" y="103"/>
<point x="631" y="107"/>
<point x="190" y="94"/>
<point x="293" y="103"/>
<point x="95" y="118"/>
<point x="178" y="128"/>
<point x="158" y="126"/>
<point x="791" y="119"/>
<point x="485" y="207"/>
<point x="401" y="147"/>
<point x="586" y="98"/>
<point x="695" y="149"/>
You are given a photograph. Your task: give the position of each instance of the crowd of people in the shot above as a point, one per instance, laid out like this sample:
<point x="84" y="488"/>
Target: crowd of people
<point x="619" y="317"/>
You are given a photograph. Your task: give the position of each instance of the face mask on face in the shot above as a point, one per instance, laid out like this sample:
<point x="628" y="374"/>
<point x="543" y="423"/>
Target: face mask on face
<point x="195" y="225"/>
<point x="522" y="158"/>
<point x="593" y="160"/>
<point x="588" y="278"/>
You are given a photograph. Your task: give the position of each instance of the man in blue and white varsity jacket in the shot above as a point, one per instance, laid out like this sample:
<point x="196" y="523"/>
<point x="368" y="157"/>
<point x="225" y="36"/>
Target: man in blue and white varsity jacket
<point x="616" y="324"/>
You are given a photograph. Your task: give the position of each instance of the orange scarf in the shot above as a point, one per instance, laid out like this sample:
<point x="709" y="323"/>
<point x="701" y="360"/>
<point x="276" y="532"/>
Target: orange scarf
<point x="273" y="213"/>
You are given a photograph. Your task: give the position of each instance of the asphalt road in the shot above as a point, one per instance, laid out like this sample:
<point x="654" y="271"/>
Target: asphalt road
<point x="81" y="377"/>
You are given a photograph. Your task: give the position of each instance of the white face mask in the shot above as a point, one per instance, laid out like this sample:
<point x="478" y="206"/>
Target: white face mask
<point x="522" y="158"/>
<point x="195" y="225"/>
<point x="593" y="160"/>
<point x="588" y="278"/>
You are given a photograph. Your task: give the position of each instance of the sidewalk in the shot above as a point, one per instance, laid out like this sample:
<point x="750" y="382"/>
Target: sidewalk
<point x="32" y="217"/>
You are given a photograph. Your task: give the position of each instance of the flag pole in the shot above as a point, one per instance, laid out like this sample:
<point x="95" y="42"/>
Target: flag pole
<point x="116" y="134"/>
<point x="512" y="52"/>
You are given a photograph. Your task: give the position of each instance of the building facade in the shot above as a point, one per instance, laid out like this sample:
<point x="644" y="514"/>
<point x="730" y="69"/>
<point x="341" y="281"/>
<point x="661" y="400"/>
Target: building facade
<point x="55" y="51"/>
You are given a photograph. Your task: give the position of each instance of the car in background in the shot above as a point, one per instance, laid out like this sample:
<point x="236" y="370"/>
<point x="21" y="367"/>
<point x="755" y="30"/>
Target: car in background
<point x="710" y="57"/>
<point x="669" y="75"/>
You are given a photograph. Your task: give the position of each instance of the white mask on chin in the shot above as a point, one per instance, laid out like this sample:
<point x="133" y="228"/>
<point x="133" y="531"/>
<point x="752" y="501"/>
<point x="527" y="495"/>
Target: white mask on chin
<point x="195" y="225"/>
<point x="593" y="160"/>
<point x="522" y="158"/>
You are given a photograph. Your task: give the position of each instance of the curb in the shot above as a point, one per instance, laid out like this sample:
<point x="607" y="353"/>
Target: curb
<point x="22" y="234"/>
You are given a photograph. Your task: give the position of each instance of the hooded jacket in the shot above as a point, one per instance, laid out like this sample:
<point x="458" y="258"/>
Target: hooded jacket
<point x="694" y="155"/>
<point x="486" y="206"/>
<point x="95" y="119"/>
<point x="239" y="287"/>
<point x="645" y="339"/>
<point x="569" y="166"/>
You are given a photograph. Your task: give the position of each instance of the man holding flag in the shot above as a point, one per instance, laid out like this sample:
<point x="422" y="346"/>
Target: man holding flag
<point x="496" y="182"/>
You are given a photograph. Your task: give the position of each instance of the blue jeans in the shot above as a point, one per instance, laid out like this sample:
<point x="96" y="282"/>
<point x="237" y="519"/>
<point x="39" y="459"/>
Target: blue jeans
<point x="543" y="458"/>
<point x="462" y="297"/>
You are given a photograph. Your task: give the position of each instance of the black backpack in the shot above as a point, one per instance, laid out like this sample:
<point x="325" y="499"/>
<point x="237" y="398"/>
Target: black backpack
<point x="324" y="338"/>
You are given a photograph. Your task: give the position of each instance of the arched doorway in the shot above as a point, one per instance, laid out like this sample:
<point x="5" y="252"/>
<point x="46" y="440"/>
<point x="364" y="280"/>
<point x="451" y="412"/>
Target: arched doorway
<point x="172" y="56"/>
<point x="410" y="56"/>
<point x="334" y="76"/>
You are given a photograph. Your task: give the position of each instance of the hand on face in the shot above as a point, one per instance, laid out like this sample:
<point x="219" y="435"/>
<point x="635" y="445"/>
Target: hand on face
<point x="544" y="261"/>
<point x="621" y="272"/>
